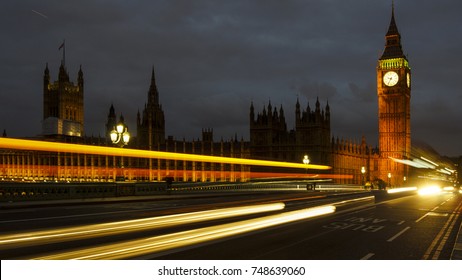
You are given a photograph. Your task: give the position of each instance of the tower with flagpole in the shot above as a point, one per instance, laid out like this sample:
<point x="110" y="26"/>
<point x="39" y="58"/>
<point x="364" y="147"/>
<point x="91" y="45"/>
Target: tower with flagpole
<point x="63" y="102"/>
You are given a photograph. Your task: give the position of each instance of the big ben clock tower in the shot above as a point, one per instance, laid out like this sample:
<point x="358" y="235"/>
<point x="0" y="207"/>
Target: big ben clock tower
<point x="394" y="95"/>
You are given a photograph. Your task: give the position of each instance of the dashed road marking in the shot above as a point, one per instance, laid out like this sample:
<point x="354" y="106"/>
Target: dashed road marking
<point x="398" y="234"/>
<point x="368" y="256"/>
<point x="440" y="240"/>
<point x="420" y="219"/>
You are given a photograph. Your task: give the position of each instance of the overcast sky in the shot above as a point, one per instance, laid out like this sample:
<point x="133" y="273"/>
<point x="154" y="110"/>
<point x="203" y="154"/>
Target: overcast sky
<point x="213" y="58"/>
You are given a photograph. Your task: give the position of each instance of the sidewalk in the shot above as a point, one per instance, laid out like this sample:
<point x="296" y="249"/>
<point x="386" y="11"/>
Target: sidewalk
<point x="457" y="251"/>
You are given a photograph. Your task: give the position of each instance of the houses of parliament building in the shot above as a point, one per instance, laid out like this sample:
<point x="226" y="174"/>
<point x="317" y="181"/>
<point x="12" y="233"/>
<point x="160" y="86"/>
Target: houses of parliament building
<point x="352" y="161"/>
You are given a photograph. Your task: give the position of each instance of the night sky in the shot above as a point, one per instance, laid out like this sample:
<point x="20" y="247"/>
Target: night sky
<point x="213" y="58"/>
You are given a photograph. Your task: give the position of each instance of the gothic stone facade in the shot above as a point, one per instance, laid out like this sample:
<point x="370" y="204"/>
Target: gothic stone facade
<point x="63" y="106"/>
<point x="271" y="140"/>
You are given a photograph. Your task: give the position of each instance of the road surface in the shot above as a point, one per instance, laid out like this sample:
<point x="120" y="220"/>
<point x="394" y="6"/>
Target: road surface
<point x="263" y="225"/>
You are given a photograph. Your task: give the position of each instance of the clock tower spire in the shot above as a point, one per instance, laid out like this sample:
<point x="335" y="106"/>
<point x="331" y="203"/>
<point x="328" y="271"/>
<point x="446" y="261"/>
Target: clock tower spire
<point x="393" y="40"/>
<point x="394" y="94"/>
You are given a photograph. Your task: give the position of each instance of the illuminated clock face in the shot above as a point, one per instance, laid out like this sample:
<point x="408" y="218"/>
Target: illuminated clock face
<point x="390" y="78"/>
<point x="408" y="80"/>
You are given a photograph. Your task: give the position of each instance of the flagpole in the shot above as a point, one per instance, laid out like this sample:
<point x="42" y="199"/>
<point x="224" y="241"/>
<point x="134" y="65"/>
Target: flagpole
<point x="63" y="46"/>
<point x="64" y="53"/>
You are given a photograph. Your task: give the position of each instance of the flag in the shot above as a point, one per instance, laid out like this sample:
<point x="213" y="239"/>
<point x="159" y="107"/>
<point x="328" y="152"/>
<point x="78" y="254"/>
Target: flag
<point x="62" y="46"/>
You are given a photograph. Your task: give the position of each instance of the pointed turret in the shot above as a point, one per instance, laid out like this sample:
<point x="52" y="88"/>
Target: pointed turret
<point x="151" y="128"/>
<point x="327" y="111"/>
<point x="297" y="111"/>
<point x="153" y="94"/>
<point x="47" y="72"/>
<point x="111" y="112"/>
<point x="270" y="108"/>
<point x="393" y="47"/>
<point x="275" y="114"/>
<point x="111" y="122"/>
<point x="80" y="78"/>
<point x="282" y="118"/>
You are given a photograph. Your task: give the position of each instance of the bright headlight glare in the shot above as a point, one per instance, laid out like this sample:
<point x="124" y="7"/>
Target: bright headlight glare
<point x="429" y="190"/>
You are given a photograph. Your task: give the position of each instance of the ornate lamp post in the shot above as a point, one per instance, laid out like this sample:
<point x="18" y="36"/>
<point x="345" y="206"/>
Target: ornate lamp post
<point x="119" y="135"/>
<point x="389" y="180"/>
<point x="363" y="171"/>
<point x="306" y="161"/>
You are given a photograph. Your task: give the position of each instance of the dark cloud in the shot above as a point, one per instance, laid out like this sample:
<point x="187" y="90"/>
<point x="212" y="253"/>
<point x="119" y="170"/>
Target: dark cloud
<point x="213" y="58"/>
<point x="318" y="89"/>
<point x="362" y="94"/>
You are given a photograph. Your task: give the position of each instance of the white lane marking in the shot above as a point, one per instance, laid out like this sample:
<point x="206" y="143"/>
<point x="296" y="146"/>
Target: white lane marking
<point x="368" y="256"/>
<point x="398" y="234"/>
<point x="432" y="213"/>
<point x="455" y="215"/>
<point x="419" y="219"/>
<point x="437" y="214"/>
<point x="402" y="222"/>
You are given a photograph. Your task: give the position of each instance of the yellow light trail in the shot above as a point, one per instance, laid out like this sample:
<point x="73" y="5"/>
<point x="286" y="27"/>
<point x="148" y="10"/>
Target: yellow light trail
<point x="21" y="144"/>
<point x="146" y="246"/>
<point x="404" y="189"/>
<point x="90" y="231"/>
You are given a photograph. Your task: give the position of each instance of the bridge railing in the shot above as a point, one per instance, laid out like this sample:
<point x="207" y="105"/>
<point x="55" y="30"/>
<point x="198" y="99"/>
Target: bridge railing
<point x="54" y="191"/>
<point x="18" y="191"/>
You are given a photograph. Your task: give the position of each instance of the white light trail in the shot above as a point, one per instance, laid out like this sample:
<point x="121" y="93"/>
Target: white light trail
<point x="105" y="229"/>
<point x="146" y="246"/>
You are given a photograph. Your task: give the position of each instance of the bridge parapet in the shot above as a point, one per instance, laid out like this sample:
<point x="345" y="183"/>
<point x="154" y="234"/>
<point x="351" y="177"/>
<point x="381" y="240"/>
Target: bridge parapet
<point x="54" y="191"/>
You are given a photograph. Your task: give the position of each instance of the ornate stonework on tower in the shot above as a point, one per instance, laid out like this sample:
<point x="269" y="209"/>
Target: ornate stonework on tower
<point x="312" y="132"/>
<point x="151" y="123"/>
<point x="394" y="94"/>
<point x="268" y="133"/>
<point x="63" y="107"/>
<point x="270" y="138"/>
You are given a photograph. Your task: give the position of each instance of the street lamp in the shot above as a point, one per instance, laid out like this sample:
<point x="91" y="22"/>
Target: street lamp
<point x="363" y="171"/>
<point x="119" y="135"/>
<point x="306" y="160"/>
<point x="389" y="180"/>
